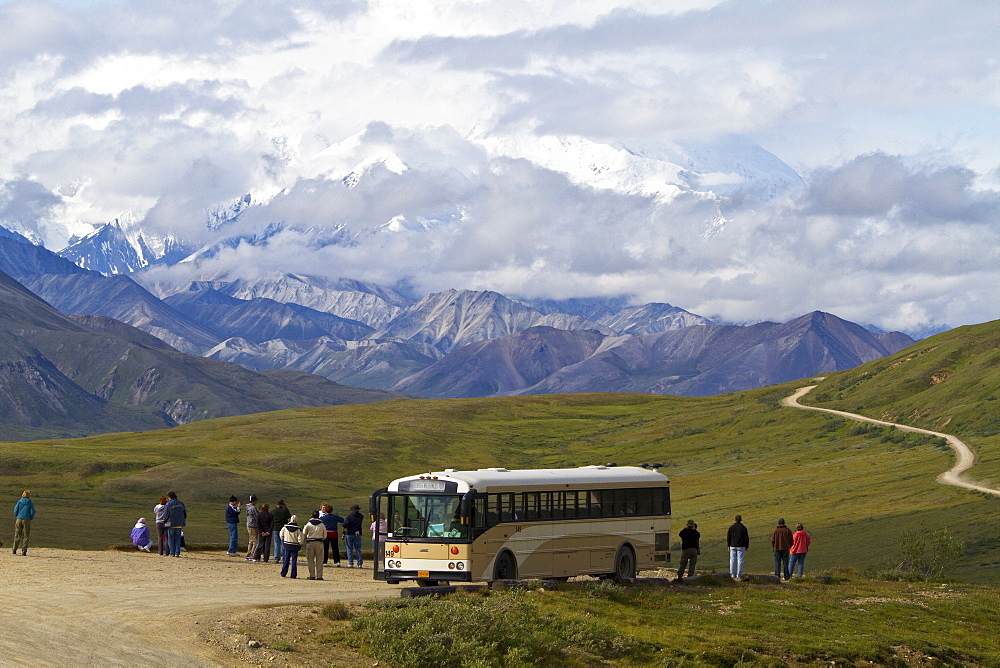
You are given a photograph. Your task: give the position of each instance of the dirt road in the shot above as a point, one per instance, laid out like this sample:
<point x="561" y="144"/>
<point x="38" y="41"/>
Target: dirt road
<point x="63" y="607"/>
<point x="965" y="458"/>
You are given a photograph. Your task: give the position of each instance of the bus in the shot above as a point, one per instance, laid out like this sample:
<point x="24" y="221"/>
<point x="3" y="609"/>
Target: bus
<point x="498" y="524"/>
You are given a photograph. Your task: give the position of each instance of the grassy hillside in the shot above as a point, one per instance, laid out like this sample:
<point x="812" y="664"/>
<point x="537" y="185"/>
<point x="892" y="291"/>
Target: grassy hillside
<point x="949" y="382"/>
<point x="856" y="492"/>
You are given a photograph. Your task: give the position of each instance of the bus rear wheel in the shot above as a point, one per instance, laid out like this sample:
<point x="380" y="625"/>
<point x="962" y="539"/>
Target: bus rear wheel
<point x="506" y="567"/>
<point x="625" y="568"/>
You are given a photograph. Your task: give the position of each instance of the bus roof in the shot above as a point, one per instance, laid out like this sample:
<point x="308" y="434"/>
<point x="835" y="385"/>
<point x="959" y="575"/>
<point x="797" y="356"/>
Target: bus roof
<point x="500" y="478"/>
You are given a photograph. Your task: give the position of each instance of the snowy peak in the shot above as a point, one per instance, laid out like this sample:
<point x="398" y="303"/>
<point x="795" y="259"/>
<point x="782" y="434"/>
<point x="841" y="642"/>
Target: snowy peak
<point x="120" y="247"/>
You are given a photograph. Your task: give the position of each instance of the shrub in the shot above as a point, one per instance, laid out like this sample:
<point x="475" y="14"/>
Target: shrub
<point x="921" y="555"/>
<point x="502" y="629"/>
<point x="337" y="611"/>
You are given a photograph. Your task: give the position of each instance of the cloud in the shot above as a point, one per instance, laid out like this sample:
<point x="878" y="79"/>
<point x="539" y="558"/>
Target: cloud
<point x="173" y="109"/>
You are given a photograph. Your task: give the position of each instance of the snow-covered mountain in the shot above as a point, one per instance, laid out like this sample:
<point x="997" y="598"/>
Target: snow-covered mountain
<point x="121" y="247"/>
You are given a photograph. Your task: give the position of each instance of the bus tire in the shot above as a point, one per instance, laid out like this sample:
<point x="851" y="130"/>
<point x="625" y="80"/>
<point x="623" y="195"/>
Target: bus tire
<point x="505" y="567"/>
<point x="427" y="583"/>
<point x="625" y="566"/>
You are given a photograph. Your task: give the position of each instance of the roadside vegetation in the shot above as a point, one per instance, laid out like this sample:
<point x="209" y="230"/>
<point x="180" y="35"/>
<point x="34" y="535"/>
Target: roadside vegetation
<point x="845" y="620"/>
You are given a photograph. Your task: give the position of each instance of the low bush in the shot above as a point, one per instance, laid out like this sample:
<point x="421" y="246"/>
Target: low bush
<point x="501" y="629"/>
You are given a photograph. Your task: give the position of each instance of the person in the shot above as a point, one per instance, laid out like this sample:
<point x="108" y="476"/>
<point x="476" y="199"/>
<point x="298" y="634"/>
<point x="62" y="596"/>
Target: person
<point x="253" y="528"/>
<point x="266" y="521"/>
<point x="176" y="517"/>
<point x="293" y="539"/>
<point x="161" y="528"/>
<point x="232" y="522"/>
<point x="315" y="534"/>
<point x="331" y="543"/>
<point x="738" y="540"/>
<point x="690" y="538"/>
<point x="781" y="543"/>
<point x="140" y="535"/>
<point x="352" y="535"/>
<point x="24" y="512"/>
<point x="379" y="529"/>
<point x="282" y="516"/>
<point x="800" y="546"/>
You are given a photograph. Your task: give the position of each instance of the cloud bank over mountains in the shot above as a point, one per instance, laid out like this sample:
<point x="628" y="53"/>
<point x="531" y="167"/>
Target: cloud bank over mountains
<point x="745" y="160"/>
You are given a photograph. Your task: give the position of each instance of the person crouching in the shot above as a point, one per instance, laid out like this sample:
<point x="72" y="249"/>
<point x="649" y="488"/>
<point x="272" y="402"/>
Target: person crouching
<point x="140" y="535"/>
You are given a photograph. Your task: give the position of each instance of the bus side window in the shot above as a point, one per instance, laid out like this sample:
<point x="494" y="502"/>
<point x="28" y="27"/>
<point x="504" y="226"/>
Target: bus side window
<point x="479" y="512"/>
<point x="506" y="506"/>
<point x="531" y="505"/>
<point x="645" y="502"/>
<point x="595" y="504"/>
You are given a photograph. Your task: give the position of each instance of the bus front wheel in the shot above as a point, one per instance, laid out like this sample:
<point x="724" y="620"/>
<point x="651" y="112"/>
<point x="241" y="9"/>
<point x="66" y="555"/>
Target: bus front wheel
<point x="506" y="567"/>
<point x="624" y="564"/>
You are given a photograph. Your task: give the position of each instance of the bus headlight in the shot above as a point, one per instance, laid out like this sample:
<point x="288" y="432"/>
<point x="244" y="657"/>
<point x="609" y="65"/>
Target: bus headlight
<point x="461" y="566"/>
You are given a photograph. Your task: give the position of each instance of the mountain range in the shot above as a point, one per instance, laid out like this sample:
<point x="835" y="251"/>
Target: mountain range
<point x="456" y="343"/>
<point x="74" y="375"/>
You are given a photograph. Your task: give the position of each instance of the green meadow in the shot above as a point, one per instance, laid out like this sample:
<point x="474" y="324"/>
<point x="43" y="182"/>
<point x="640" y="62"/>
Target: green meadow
<point x="856" y="488"/>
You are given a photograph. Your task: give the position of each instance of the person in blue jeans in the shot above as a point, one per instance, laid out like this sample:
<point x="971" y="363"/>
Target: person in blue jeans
<point x="232" y="522"/>
<point x="293" y="538"/>
<point x="352" y="535"/>
<point x="176" y="517"/>
<point x="282" y="516"/>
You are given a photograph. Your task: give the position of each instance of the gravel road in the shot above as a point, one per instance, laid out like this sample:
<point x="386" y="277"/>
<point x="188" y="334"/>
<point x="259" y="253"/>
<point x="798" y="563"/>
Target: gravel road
<point x="65" y="607"/>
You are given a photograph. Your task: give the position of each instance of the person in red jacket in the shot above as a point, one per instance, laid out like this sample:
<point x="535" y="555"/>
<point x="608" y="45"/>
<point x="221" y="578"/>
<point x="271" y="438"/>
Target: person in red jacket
<point x="800" y="545"/>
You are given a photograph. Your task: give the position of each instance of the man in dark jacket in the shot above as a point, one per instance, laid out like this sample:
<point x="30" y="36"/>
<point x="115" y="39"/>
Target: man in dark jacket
<point x="175" y="514"/>
<point x="282" y="515"/>
<point x="690" y="538"/>
<point x="232" y="522"/>
<point x="352" y="535"/>
<point x="781" y="543"/>
<point x="738" y="540"/>
<point x="331" y="520"/>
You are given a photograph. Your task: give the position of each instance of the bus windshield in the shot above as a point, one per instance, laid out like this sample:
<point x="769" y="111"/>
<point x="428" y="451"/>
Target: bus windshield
<point x="426" y="516"/>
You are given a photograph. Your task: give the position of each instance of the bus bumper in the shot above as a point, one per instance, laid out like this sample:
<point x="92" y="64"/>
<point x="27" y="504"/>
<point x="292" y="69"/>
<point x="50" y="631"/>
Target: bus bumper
<point x="446" y="576"/>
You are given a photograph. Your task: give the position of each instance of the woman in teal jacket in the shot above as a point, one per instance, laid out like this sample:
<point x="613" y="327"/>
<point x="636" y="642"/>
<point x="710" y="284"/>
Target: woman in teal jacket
<point x="24" y="512"/>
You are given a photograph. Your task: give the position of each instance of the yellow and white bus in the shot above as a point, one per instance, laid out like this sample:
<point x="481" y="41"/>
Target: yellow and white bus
<point x="499" y="524"/>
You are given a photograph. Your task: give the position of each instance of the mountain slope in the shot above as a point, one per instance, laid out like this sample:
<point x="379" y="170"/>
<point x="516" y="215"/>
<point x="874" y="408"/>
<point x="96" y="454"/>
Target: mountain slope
<point x="73" y="290"/>
<point x="692" y="361"/>
<point x="72" y="376"/>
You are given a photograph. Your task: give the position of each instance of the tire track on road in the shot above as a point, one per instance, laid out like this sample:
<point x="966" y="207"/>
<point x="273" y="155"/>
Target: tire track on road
<point x="965" y="457"/>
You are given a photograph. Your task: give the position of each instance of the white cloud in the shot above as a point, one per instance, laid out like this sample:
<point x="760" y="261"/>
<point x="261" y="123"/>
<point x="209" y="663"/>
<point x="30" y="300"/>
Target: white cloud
<point x="171" y="108"/>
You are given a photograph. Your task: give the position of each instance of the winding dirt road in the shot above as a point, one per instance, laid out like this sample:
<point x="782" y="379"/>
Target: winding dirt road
<point x="965" y="457"/>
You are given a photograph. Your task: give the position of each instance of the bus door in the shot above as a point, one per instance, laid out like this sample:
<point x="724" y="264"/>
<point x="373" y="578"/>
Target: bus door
<point x="375" y="511"/>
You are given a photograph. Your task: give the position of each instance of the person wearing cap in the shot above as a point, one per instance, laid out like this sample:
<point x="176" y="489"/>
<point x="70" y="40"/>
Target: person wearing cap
<point x="293" y="539"/>
<point x="140" y="535"/>
<point x="352" y="535"/>
<point x="690" y="538"/>
<point x="232" y="522"/>
<point x="781" y="543"/>
<point x="800" y="546"/>
<point x="738" y="541"/>
<point x="282" y="515"/>
<point x="253" y="528"/>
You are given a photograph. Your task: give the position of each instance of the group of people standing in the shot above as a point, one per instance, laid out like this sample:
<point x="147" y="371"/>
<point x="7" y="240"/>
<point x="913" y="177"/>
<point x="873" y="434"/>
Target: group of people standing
<point x="789" y="548"/>
<point x="268" y="530"/>
<point x="319" y="535"/>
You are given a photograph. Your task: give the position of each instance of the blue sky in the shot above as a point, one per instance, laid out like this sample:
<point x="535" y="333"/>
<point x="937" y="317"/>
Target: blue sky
<point x="888" y="111"/>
